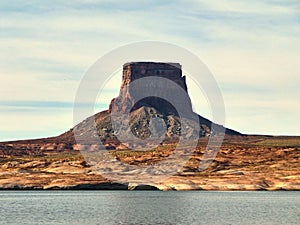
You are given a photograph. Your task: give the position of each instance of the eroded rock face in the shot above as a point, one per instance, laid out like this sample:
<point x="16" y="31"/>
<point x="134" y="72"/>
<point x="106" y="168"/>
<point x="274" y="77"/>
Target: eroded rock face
<point x="155" y="90"/>
<point x="137" y="71"/>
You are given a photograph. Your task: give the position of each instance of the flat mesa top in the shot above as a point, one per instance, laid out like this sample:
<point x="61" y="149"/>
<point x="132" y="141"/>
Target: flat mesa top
<point x="173" y="64"/>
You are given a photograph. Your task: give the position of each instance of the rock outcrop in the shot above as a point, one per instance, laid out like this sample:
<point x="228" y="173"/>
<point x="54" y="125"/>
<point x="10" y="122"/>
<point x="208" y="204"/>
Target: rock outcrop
<point x="140" y="70"/>
<point x="166" y="99"/>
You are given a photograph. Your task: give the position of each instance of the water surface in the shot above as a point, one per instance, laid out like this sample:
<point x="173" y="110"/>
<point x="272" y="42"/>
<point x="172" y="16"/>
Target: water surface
<point x="149" y="207"/>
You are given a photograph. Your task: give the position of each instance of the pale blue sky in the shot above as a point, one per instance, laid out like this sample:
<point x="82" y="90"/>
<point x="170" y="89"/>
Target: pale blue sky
<point x="251" y="47"/>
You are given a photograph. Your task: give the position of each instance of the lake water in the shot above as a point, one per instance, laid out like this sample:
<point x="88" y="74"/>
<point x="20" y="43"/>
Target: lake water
<point x="148" y="207"/>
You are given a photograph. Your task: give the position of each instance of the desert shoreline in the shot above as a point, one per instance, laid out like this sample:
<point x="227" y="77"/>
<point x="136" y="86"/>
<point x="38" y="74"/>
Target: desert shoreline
<point x="243" y="163"/>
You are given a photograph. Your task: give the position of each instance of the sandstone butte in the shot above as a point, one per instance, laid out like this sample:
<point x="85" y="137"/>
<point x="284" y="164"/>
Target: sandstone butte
<point x="244" y="162"/>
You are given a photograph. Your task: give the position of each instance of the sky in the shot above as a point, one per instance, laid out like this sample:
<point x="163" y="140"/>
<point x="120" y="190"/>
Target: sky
<point x="251" y="47"/>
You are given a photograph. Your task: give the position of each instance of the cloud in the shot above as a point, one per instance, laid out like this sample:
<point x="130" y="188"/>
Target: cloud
<point x="42" y="122"/>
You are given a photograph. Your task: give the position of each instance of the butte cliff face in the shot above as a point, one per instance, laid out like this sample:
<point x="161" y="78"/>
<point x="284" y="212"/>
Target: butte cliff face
<point x="152" y="90"/>
<point x="142" y="70"/>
